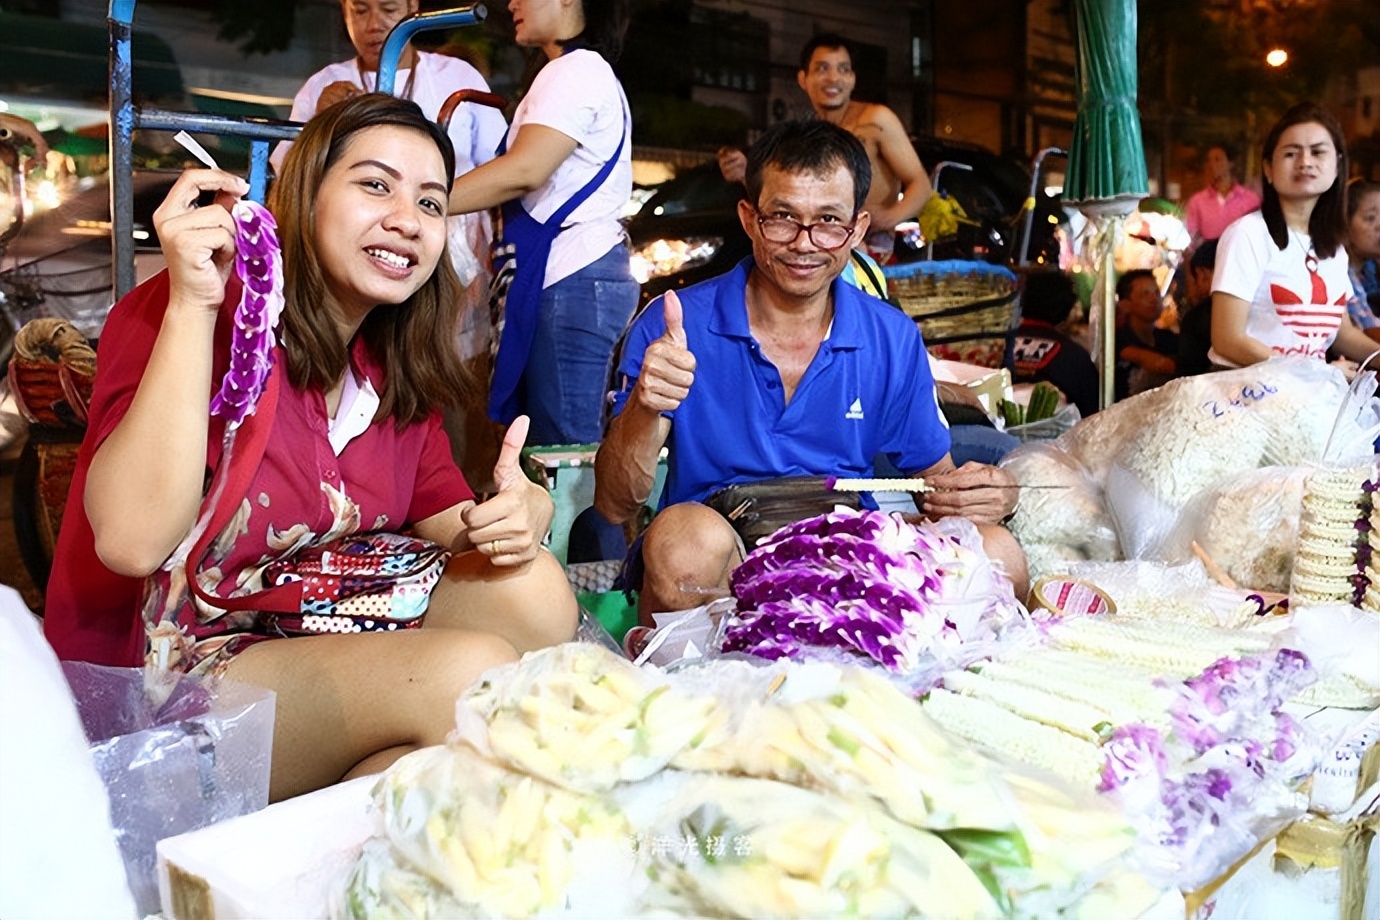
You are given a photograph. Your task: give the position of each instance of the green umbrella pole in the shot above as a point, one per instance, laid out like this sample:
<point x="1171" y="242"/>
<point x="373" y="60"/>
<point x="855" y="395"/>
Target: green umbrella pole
<point x="1107" y="383"/>
<point x="1110" y="227"/>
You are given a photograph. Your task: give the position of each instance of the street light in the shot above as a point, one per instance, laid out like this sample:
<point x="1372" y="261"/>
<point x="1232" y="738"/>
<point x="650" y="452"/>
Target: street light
<point x="1277" y="57"/>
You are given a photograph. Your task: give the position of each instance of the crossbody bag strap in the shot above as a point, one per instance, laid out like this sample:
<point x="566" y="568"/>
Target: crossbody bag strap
<point x="246" y="455"/>
<point x="560" y="214"/>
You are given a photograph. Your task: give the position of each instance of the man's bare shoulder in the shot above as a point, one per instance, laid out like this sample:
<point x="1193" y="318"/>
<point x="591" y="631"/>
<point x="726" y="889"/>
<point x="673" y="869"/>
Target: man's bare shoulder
<point x="877" y="116"/>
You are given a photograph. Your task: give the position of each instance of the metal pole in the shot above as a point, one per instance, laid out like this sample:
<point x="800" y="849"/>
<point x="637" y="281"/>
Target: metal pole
<point x="392" y="49"/>
<point x="1030" y="201"/>
<point x="1107" y="383"/>
<point x="121" y="134"/>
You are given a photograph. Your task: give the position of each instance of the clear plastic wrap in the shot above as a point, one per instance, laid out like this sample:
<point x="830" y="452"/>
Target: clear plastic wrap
<point x="472" y="838"/>
<point x="1224" y="776"/>
<point x="755" y="848"/>
<point x="1152" y="454"/>
<point x="1098" y="439"/>
<point x="580" y="716"/>
<point x="816" y="790"/>
<point x="1061" y="518"/>
<point x="914" y="598"/>
<point x="848" y="731"/>
<point x="198" y="758"/>
<point x="1143" y="519"/>
<point x="1248" y="526"/>
<point x="1047" y="429"/>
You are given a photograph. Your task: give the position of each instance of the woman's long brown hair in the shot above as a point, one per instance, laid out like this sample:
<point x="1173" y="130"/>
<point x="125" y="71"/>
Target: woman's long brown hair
<point x="414" y="341"/>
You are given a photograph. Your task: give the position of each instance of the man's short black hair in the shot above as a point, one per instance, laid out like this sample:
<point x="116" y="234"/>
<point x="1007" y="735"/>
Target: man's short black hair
<point x="1048" y="297"/>
<point x="1205" y="256"/>
<point x="830" y="40"/>
<point x="808" y="146"/>
<point x="1128" y="281"/>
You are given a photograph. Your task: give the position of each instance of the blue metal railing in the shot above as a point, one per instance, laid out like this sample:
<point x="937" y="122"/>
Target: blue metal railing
<point x="392" y="49"/>
<point x="126" y="117"/>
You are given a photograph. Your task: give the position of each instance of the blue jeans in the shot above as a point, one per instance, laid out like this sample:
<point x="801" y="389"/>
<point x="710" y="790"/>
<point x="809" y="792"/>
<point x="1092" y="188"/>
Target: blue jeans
<point x="581" y="318"/>
<point x="969" y="442"/>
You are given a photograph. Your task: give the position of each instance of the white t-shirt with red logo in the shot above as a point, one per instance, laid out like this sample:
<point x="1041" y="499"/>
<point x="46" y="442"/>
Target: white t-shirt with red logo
<point x="1297" y="300"/>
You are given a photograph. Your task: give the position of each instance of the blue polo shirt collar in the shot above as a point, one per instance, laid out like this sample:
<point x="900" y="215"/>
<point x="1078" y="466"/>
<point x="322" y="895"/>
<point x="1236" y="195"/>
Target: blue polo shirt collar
<point x="730" y="318"/>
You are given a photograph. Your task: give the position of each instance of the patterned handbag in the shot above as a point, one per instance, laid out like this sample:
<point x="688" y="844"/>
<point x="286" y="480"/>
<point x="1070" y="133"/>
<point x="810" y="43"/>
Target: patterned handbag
<point x="361" y="582"/>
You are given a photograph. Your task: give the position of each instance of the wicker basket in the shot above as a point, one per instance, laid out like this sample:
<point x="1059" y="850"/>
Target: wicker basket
<point x="965" y="309"/>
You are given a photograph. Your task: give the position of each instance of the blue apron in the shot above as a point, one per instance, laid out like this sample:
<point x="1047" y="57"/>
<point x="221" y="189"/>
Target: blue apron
<point x="520" y="266"/>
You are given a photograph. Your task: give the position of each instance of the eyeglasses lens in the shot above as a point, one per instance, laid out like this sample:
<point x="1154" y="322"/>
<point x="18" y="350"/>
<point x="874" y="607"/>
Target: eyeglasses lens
<point x="786" y="230"/>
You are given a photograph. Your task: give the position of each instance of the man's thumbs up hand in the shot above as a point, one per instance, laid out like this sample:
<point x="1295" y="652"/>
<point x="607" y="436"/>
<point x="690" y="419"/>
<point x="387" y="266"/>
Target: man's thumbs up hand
<point x="668" y="366"/>
<point x="675" y="320"/>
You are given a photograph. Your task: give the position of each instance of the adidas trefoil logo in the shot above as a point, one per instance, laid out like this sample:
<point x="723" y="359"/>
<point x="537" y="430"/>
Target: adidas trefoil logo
<point x="855" y="411"/>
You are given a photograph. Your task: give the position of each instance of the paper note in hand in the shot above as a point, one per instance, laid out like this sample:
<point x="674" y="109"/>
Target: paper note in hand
<point x="198" y="151"/>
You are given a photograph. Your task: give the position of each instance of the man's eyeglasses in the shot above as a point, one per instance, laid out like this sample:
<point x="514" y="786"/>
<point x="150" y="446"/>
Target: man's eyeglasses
<point x="824" y="234"/>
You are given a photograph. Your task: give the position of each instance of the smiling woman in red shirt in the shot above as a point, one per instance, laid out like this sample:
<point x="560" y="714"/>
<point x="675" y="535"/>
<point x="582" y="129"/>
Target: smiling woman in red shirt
<point x="355" y="445"/>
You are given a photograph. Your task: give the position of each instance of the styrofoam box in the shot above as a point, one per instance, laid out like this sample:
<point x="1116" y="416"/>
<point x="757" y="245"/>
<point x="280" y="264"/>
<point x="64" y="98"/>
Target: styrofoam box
<point x="287" y="860"/>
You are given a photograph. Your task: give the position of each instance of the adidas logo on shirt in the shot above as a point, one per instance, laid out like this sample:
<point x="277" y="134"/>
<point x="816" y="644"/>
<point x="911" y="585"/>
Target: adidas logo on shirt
<point x="855" y="411"/>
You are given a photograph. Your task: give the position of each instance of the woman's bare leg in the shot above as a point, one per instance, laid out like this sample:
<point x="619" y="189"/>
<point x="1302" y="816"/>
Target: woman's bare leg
<point x="532" y="606"/>
<point x="343" y="699"/>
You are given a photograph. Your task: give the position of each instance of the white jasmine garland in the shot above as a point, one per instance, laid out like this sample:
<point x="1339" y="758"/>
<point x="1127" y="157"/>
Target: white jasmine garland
<point x="1016" y="738"/>
<point x="1078" y="718"/>
<point x="1126" y="693"/>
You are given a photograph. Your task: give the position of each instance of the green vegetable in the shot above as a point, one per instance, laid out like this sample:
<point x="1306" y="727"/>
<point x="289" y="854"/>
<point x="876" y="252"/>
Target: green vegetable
<point x="844" y="741"/>
<point x="1013" y="413"/>
<point x="1044" y="402"/>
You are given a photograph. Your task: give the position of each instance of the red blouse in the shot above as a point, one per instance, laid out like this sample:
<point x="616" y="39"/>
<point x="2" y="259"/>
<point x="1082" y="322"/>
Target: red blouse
<point x="385" y="479"/>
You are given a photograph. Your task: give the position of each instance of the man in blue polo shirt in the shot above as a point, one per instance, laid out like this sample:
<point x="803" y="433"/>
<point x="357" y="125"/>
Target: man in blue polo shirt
<point x="779" y="368"/>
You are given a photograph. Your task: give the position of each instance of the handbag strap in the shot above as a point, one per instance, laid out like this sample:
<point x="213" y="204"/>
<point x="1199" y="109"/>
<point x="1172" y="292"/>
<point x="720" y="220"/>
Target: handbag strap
<point x="246" y="455"/>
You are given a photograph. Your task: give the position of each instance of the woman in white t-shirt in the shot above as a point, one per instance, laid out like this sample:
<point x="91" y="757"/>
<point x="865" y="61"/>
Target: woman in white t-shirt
<point x="563" y="177"/>
<point x="1281" y="286"/>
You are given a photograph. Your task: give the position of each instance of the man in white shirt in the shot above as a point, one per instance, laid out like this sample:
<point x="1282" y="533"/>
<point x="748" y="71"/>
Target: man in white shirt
<point x="428" y="80"/>
<point x="425" y="78"/>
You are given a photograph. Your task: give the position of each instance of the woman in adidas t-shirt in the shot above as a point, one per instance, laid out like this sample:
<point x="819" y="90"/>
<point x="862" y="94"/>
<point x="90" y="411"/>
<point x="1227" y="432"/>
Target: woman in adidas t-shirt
<point x="1281" y="285"/>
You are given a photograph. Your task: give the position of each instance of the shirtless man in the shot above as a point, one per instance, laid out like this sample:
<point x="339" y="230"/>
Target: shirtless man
<point x="899" y="182"/>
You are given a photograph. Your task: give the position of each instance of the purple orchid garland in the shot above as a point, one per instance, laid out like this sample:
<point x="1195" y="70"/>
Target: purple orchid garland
<point x="1230" y="753"/>
<point x="864" y="582"/>
<point x="259" y="265"/>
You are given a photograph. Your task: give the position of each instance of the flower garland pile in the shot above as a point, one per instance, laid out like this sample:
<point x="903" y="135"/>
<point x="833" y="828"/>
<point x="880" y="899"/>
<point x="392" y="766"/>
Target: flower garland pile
<point x="865" y="582"/>
<point x="259" y="265"/>
<point x="1229" y="763"/>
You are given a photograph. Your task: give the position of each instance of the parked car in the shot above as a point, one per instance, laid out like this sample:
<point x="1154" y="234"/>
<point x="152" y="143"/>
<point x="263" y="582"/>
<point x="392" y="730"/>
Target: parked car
<point x="689" y="231"/>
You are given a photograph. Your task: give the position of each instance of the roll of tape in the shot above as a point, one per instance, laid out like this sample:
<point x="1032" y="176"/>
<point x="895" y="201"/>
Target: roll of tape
<point x="1063" y="595"/>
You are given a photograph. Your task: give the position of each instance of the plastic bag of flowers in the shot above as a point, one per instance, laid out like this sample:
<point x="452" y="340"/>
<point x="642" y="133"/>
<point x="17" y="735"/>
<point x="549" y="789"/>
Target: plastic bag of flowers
<point x="899" y="595"/>
<point x="1063" y="516"/>
<point x="1248" y="526"/>
<point x="1280" y="412"/>
<point x="1193" y="432"/>
<point x="1226" y="774"/>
